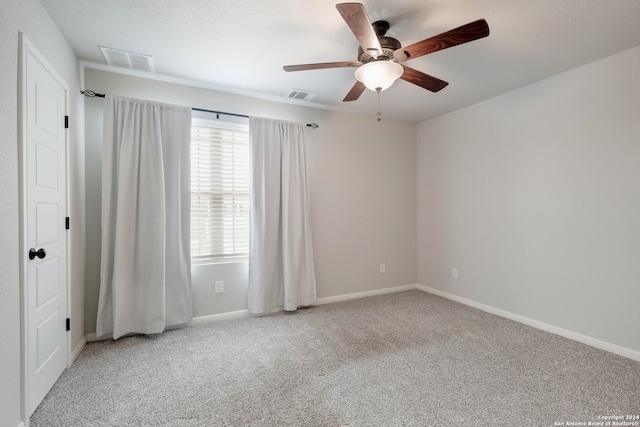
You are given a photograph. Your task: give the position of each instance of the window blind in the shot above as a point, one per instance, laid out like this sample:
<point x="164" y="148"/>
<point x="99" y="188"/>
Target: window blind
<point x="219" y="194"/>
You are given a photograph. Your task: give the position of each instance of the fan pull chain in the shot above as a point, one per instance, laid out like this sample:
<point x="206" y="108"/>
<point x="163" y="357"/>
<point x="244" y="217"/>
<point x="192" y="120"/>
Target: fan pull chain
<point x="379" y="112"/>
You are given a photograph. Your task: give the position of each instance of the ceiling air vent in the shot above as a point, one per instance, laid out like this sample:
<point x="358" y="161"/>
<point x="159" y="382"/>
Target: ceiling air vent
<point x="122" y="58"/>
<point x="304" y="95"/>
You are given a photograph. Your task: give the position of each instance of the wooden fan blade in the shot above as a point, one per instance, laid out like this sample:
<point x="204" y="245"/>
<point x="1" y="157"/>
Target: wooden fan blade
<point x="423" y="80"/>
<point x="356" y="18"/>
<point x="322" y="65"/>
<point x="355" y="92"/>
<point x="466" y="33"/>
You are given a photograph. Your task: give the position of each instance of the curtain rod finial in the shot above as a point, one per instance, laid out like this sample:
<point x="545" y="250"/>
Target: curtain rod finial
<point x="91" y="94"/>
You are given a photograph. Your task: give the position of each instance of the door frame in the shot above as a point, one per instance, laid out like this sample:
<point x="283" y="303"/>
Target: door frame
<point x="25" y="47"/>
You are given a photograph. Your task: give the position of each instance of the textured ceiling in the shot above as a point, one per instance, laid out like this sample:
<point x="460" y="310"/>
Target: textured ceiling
<point x="241" y="46"/>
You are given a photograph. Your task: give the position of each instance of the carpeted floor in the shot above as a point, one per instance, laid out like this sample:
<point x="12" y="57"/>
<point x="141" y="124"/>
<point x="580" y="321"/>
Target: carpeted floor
<point x="402" y="359"/>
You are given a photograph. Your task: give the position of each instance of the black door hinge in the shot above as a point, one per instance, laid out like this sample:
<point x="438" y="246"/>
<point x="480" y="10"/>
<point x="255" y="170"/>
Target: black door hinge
<point x="68" y="324"/>
<point x="66" y="223"/>
<point x="66" y="122"/>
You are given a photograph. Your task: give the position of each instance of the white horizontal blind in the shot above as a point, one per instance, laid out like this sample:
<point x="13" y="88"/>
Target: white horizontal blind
<point x="219" y="194"/>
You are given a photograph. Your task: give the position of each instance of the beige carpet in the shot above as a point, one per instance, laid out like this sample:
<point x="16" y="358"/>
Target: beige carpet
<point x="403" y="359"/>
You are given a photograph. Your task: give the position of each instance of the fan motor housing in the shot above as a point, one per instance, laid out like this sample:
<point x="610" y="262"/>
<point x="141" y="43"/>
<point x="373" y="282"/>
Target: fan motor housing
<point x="388" y="44"/>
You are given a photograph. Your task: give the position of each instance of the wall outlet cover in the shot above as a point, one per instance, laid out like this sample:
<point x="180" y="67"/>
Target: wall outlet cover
<point x="219" y="286"/>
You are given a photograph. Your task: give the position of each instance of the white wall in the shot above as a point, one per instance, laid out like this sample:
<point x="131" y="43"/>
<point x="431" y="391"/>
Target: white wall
<point x="363" y="186"/>
<point x="29" y="17"/>
<point x="535" y="197"/>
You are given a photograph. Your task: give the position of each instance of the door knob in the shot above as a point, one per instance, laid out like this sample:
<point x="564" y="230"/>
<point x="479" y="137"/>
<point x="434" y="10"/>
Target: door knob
<point x="40" y="253"/>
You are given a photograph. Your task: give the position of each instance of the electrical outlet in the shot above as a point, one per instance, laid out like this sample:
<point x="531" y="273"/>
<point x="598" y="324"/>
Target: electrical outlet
<point x="454" y="273"/>
<point x="219" y="286"/>
<point x="383" y="268"/>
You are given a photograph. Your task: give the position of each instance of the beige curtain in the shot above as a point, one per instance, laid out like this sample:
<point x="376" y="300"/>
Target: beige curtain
<point x="145" y="282"/>
<point x="281" y="266"/>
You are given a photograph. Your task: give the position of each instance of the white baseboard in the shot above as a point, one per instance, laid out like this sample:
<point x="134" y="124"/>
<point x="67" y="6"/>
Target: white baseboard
<point x="346" y="297"/>
<point x="222" y="316"/>
<point x="201" y="319"/>
<point x="21" y="424"/>
<point x="76" y="351"/>
<point x="326" y="300"/>
<point x="593" y="342"/>
<point x="93" y="337"/>
<point x="245" y="313"/>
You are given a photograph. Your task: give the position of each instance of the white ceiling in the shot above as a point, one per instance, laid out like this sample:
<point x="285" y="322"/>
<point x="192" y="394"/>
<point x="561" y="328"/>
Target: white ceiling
<point x="240" y="46"/>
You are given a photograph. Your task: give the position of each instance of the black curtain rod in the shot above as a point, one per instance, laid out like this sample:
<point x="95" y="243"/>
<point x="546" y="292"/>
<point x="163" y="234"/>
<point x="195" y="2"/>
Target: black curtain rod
<point x="92" y="94"/>
<point x="219" y="112"/>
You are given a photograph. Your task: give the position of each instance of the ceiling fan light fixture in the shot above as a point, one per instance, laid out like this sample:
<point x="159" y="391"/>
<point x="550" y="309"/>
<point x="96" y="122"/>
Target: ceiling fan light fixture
<point x="379" y="75"/>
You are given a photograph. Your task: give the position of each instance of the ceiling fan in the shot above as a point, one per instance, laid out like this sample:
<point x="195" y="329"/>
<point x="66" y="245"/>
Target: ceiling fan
<point x="380" y="57"/>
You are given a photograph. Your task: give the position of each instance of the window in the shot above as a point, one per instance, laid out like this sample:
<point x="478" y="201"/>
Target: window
<point x="219" y="191"/>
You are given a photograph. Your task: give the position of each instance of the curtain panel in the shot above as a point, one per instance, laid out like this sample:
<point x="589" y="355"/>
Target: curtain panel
<point x="145" y="276"/>
<point x="281" y="265"/>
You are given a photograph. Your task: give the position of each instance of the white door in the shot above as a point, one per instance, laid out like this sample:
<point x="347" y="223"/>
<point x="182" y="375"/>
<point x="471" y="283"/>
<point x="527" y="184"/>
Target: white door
<point x="44" y="195"/>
